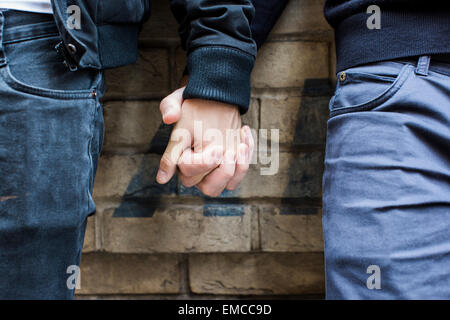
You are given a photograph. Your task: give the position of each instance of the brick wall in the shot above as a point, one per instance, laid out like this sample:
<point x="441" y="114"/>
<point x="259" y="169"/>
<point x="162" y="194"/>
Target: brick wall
<point x="262" y="240"/>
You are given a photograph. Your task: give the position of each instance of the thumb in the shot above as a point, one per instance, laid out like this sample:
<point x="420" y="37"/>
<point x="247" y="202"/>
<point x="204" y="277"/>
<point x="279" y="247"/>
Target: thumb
<point x="170" y="106"/>
<point x="180" y="140"/>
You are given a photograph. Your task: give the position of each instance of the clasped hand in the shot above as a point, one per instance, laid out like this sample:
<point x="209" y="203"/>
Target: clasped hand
<point x="208" y="146"/>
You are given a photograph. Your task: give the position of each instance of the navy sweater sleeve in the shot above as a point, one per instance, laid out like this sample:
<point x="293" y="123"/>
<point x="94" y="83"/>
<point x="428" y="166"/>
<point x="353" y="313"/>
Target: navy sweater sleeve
<point x="221" y="51"/>
<point x="407" y="28"/>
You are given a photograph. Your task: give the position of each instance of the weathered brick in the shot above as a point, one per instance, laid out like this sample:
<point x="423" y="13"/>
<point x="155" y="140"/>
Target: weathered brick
<point x="131" y="124"/>
<point x="302" y="16"/>
<point x="291" y="229"/>
<point x="149" y="75"/>
<point x="251" y="118"/>
<point x="162" y="23"/>
<point x="89" y="238"/>
<point x="299" y="175"/>
<point x="255" y="234"/>
<point x="130" y="176"/>
<point x="180" y="62"/>
<point x="301" y="120"/>
<point x="129" y="274"/>
<point x="333" y="62"/>
<point x="178" y="228"/>
<point x="290" y="64"/>
<point x="257" y="274"/>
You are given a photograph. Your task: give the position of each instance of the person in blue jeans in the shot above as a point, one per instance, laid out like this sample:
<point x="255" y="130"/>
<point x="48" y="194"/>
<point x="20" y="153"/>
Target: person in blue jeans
<point x="52" y="57"/>
<point x="386" y="186"/>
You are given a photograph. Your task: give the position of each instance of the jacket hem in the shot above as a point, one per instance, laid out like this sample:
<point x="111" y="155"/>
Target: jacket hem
<point x="221" y="74"/>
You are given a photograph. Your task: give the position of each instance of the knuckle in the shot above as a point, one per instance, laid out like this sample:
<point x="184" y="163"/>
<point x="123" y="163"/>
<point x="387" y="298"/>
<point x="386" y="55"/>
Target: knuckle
<point x="188" y="169"/>
<point x="185" y="181"/>
<point x="204" y="167"/>
<point x="215" y="194"/>
<point x="228" y="175"/>
<point x="188" y="184"/>
<point x="209" y="192"/>
<point x="243" y="169"/>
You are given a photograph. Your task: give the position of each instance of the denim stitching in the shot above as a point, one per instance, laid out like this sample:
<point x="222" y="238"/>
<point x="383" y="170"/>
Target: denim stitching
<point x="403" y="76"/>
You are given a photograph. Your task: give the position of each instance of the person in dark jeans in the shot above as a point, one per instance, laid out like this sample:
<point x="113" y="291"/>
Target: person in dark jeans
<point x="386" y="186"/>
<point x="52" y="57"/>
<point x="387" y="173"/>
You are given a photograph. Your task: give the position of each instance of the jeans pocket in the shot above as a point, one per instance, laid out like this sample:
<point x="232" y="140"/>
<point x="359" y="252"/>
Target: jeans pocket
<point x="34" y="67"/>
<point x="367" y="87"/>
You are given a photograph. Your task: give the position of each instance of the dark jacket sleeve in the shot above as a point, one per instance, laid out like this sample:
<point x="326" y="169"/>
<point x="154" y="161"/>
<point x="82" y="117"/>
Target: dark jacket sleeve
<point x="267" y="14"/>
<point x="221" y="51"/>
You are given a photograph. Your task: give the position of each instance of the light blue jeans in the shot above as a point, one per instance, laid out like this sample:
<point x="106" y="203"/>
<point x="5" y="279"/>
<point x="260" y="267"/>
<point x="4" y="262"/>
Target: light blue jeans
<point x="386" y="187"/>
<point x="51" y="132"/>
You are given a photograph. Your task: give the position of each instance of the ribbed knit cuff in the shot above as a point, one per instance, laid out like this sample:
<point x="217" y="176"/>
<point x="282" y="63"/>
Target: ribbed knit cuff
<point x="221" y="74"/>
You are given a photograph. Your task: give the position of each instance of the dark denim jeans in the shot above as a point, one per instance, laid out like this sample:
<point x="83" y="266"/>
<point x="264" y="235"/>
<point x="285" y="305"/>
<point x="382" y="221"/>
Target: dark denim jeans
<point x="51" y="132"/>
<point x="386" y="214"/>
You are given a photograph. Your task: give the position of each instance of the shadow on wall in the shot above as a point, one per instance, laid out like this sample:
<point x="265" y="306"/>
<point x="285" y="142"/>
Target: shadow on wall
<point x="308" y="138"/>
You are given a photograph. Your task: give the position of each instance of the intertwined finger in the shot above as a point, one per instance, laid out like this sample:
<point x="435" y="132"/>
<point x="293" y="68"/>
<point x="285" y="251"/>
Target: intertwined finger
<point x="197" y="163"/>
<point x="214" y="183"/>
<point x="242" y="165"/>
<point x="244" y="156"/>
<point x="194" y="166"/>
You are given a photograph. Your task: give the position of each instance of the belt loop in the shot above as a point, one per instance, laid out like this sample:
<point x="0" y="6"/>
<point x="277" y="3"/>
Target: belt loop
<point x="2" y="50"/>
<point x="423" y="65"/>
